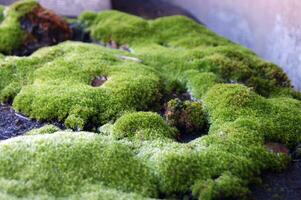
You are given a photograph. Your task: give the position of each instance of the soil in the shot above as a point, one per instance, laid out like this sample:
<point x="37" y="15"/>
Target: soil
<point x="13" y="124"/>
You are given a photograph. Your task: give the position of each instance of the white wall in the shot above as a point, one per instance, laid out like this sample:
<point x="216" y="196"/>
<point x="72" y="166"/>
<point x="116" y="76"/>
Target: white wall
<point x="272" y="28"/>
<point x="70" y="7"/>
<point x="75" y="7"/>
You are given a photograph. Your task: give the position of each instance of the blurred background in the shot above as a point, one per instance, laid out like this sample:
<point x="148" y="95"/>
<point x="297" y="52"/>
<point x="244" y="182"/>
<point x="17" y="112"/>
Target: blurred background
<point x="271" y="27"/>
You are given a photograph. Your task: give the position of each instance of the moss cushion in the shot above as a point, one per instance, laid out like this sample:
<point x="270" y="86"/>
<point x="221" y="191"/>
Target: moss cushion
<point x="248" y="102"/>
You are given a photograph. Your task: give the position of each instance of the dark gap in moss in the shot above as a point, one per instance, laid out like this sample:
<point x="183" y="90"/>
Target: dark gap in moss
<point x="9" y="101"/>
<point x="183" y="112"/>
<point x="180" y="196"/>
<point x="164" y="44"/>
<point x="188" y="117"/>
<point x="277" y="148"/>
<point x="98" y="81"/>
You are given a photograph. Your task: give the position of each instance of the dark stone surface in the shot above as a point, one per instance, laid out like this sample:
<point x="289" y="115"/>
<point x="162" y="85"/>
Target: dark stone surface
<point x="280" y="186"/>
<point x="13" y="124"/>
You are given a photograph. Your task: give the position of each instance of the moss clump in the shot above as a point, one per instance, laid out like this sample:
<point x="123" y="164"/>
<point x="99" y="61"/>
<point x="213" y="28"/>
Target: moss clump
<point x="47" y="129"/>
<point x="108" y="27"/>
<point x="223" y="187"/>
<point x="199" y="83"/>
<point x="187" y="116"/>
<point x="58" y="86"/>
<point x="176" y="44"/>
<point x="11" y="32"/>
<point x="277" y="116"/>
<point x="248" y="103"/>
<point x="218" y="165"/>
<point x="66" y="164"/>
<point x="142" y="126"/>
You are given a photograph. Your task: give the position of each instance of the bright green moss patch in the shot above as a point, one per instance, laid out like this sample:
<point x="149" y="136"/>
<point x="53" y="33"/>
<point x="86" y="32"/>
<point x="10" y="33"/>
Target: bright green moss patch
<point x="143" y="126"/>
<point x="277" y="117"/>
<point x="175" y="44"/>
<point x="107" y="26"/>
<point x="219" y="165"/>
<point x="224" y="187"/>
<point x="11" y="32"/>
<point x="58" y="85"/>
<point x="199" y="83"/>
<point x="62" y="163"/>
<point x="47" y="129"/>
<point x="247" y="101"/>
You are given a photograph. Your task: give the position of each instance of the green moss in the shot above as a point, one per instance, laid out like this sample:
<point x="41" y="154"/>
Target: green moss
<point x="2" y="8"/>
<point x="224" y="187"/>
<point x="277" y="116"/>
<point x="47" y="129"/>
<point x="71" y="163"/>
<point x="143" y="126"/>
<point x="176" y="44"/>
<point x="199" y="83"/>
<point x="58" y="84"/>
<point x="11" y="33"/>
<point x="248" y="103"/>
<point x="106" y="26"/>
<point x="211" y="166"/>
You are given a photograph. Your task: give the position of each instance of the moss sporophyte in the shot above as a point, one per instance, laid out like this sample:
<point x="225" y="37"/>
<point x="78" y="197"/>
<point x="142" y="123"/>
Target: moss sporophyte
<point x="246" y="101"/>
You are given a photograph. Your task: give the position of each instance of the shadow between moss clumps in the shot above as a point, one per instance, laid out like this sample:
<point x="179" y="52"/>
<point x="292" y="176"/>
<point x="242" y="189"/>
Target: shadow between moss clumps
<point x="246" y="100"/>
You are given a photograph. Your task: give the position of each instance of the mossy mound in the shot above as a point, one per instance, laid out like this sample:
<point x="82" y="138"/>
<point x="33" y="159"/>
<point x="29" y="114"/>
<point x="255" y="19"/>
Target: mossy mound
<point x="248" y="102"/>
<point x="219" y="165"/>
<point x="47" y="129"/>
<point x="68" y="163"/>
<point x="55" y="84"/>
<point x="176" y="44"/>
<point x="142" y="126"/>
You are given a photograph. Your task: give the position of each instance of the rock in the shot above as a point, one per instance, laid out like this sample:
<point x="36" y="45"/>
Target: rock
<point x="130" y="59"/>
<point x="13" y="124"/>
<point x="43" y="28"/>
<point x="277" y="148"/>
<point x="99" y="81"/>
